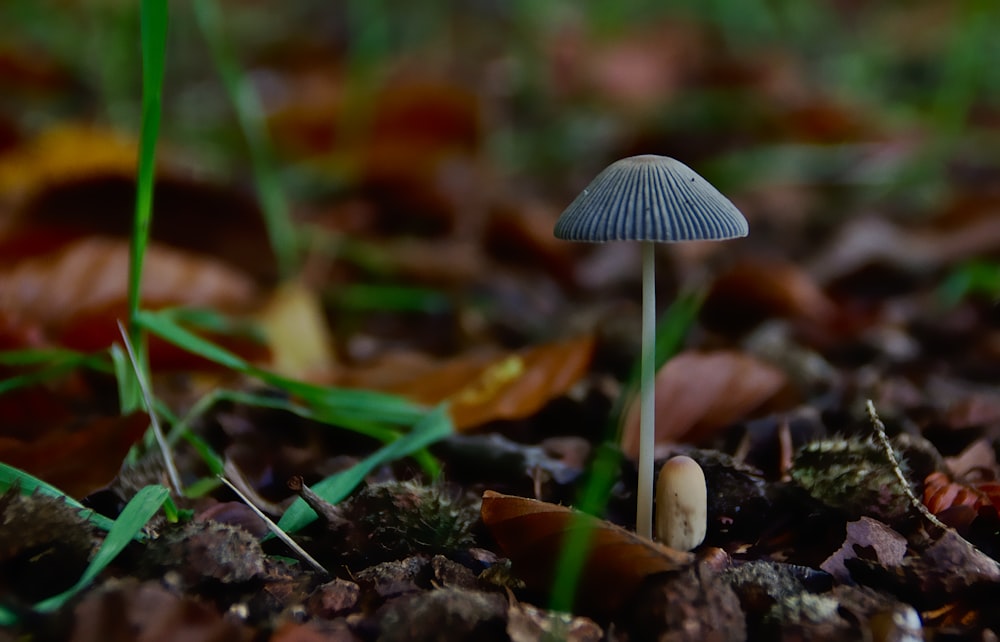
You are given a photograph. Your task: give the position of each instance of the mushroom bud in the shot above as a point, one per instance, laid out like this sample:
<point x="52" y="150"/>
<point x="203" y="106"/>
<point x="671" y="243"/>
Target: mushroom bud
<point x="681" y="504"/>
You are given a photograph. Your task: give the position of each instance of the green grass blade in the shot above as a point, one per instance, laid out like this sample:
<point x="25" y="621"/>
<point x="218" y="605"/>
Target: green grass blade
<point x="250" y="115"/>
<point x="346" y="407"/>
<point x="435" y="426"/>
<point x="43" y="356"/>
<point x="54" y="364"/>
<point x="216" y="464"/>
<point x="969" y="279"/>
<point x="153" y="24"/>
<point x="39" y="376"/>
<point x="367" y="297"/>
<point x="129" y="394"/>
<point x="165" y="327"/>
<point x="129" y="524"/>
<point x="9" y="476"/>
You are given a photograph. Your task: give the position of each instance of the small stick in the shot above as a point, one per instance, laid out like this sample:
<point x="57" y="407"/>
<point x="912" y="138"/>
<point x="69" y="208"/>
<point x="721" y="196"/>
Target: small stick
<point x="147" y="398"/>
<point x="326" y="511"/>
<point x="891" y="454"/>
<point x="280" y="534"/>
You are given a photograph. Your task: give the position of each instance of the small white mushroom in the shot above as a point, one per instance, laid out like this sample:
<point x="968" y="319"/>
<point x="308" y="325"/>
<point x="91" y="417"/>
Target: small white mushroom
<point x="681" y="504"/>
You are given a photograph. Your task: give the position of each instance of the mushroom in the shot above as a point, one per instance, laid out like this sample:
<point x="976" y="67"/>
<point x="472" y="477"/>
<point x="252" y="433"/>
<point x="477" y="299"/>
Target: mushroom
<point x="681" y="504"/>
<point x="649" y="199"/>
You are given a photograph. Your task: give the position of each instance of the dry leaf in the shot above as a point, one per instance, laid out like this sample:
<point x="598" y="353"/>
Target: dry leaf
<point x="526" y="623"/>
<point x="297" y="332"/>
<point x="867" y="241"/>
<point x="482" y="388"/>
<point x="65" y="153"/>
<point x="754" y="290"/>
<point x="127" y="610"/>
<point x="875" y="539"/>
<point x="699" y="393"/>
<point x="76" y="456"/>
<point x="532" y="533"/>
<point x="82" y="289"/>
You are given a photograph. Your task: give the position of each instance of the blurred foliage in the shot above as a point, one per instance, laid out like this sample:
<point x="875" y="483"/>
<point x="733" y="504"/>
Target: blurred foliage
<point x="917" y="65"/>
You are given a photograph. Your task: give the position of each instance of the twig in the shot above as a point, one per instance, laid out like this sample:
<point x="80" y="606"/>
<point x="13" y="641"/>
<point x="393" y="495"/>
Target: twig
<point x="147" y="399"/>
<point x="891" y="454"/>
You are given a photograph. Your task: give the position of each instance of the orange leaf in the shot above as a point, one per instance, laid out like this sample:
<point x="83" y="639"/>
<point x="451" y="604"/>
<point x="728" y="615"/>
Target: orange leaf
<point x="484" y="387"/>
<point x="699" y="393"/>
<point x="65" y="153"/>
<point x="531" y="533"/>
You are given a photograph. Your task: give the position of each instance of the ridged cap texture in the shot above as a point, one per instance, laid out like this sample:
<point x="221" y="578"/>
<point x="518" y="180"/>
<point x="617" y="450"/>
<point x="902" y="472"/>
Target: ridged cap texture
<point x="650" y="198"/>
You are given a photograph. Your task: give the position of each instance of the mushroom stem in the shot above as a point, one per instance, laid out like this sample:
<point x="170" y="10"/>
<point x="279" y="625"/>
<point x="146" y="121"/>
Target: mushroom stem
<point x="647" y="373"/>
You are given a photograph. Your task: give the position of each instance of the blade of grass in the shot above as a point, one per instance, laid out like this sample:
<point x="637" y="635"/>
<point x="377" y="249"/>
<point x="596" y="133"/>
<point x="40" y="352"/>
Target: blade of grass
<point x="670" y="335"/>
<point x="250" y="115"/>
<point x="130" y="522"/>
<point x="341" y="406"/>
<point x="435" y="426"/>
<point x="54" y="364"/>
<point x="10" y="476"/>
<point x="971" y="278"/>
<point x="153" y="18"/>
<point x="363" y="297"/>
<point x="373" y="430"/>
<point x="44" y="356"/>
<point x="214" y="460"/>
<point x="129" y="395"/>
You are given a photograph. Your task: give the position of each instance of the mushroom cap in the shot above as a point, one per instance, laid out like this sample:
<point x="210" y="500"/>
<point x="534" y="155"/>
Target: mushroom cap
<point x="650" y="198"/>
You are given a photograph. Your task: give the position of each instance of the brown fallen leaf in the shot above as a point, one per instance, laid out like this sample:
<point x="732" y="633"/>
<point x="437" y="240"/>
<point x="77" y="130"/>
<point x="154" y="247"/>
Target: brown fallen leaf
<point x="755" y="289"/>
<point x="877" y="540"/>
<point x="128" y="610"/>
<point x="700" y="393"/>
<point x="75" y="296"/>
<point x="532" y="534"/>
<point x="868" y="241"/>
<point x="77" y="456"/>
<point x="486" y="387"/>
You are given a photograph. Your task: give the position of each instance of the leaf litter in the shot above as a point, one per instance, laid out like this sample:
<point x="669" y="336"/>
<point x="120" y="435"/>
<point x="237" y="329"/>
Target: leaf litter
<point x="426" y="189"/>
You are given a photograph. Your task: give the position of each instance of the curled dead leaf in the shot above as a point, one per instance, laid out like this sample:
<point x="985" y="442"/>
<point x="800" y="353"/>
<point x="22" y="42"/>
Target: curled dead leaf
<point x="700" y="393"/>
<point x="532" y="534"/>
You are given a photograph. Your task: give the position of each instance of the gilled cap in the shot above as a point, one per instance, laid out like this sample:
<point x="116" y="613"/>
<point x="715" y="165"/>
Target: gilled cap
<point x="650" y="198"/>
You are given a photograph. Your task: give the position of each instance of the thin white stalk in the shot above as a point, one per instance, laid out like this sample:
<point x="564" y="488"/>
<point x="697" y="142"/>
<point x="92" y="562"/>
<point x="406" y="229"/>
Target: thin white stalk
<point x="147" y="397"/>
<point x="274" y="528"/>
<point x="647" y="406"/>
